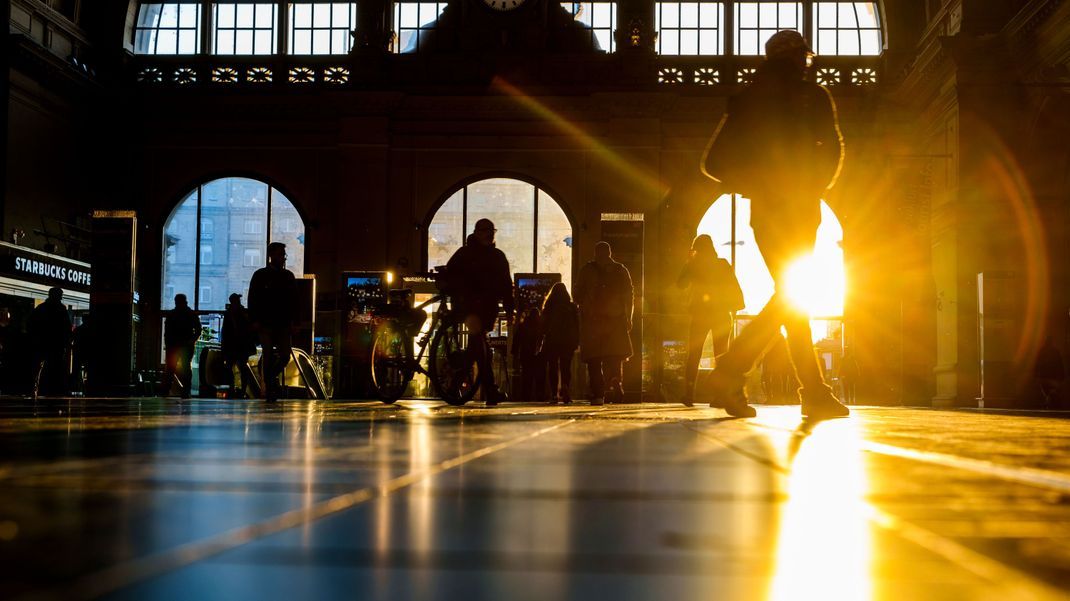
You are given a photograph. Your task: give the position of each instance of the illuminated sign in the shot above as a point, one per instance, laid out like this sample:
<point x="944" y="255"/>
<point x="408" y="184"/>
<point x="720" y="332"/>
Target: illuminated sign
<point x="41" y="268"/>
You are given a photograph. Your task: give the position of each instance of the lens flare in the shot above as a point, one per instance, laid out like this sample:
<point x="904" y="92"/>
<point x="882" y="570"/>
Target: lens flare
<point x="816" y="284"/>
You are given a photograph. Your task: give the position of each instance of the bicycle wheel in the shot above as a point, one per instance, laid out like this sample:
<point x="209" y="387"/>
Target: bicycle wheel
<point x="453" y="370"/>
<point x="392" y="363"/>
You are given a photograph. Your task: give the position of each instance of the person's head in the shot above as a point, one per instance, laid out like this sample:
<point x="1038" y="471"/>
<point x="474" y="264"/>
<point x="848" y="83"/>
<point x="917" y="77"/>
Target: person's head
<point x="484" y="232"/>
<point x="603" y="253"/>
<point x="55" y="294"/>
<point x="558" y="294"/>
<point x="235" y="300"/>
<point x="180" y="300"/>
<point x="276" y="252"/>
<point x="702" y="245"/>
<point x="789" y="48"/>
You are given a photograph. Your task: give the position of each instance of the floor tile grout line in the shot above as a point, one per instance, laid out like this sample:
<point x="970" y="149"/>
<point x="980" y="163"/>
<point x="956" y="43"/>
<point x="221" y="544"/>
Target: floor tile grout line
<point x="1021" y="585"/>
<point x="1022" y="475"/>
<point x="1012" y="583"/>
<point x="131" y="572"/>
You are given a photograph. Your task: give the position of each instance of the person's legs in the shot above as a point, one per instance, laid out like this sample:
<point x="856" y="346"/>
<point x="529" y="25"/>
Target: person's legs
<point x="185" y="370"/>
<point x="565" y="362"/>
<point x="595" y="381"/>
<point x="696" y="340"/>
<point x="268" y="361"/>
<point x="614" y="372"/>
<point x="479" y="350"/>
<point x="553" y="361"/>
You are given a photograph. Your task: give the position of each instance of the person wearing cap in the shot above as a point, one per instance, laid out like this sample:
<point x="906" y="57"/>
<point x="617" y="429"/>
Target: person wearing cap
<point x="479" y="279"/>
<point x="181" y="329"/>
<point x="778" y="144"/>
<point x="273" y="311"/>
<point x="237" y="342"/>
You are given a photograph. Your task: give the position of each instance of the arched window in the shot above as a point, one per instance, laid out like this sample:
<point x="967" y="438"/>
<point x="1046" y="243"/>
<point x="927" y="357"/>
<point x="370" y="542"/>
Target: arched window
<point x="533" y="231"/>
<point x="217" y="237"/>
<point x="741" y="27"/>
<point x="821" y="291"/>
<point x="245" y="28"/>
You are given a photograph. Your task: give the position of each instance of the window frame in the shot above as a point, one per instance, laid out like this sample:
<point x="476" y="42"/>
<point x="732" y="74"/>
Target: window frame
<point x="398" y="30"/>
<point x="293" y="28"/>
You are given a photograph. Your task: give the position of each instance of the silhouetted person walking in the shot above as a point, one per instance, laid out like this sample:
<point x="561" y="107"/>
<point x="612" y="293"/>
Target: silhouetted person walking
<point x="238" y="344"/>
<point x="605" y="298"/>
<point x="273" y="310"/>
<point x="779" y="144"/>
<point x="81" y="350"/>
<point x="561" y="338"/>
<point x="50" y="333"/>
<point x="713" y="295"/>
<point x="181" y="330"/>
<point x="479" y="279"/>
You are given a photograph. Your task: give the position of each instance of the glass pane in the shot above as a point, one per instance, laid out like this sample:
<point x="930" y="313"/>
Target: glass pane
<point x="848" y="42"/>
<point x="245" y="15"/>
<point x="238" y="208"/>
<point x="747" y="43"/>
<point x="180" y="253"/>
<point x="603" y="14"/>
<point x="871" y="42"/>
<point x="554" y="240"/>
<point x="689" y="14"/>
<point x="708" y="15"/>
<point x="826" y="14"/>
<point x="510" y="204"/>
<point x="689" y="42"/>
<point x="670" y="14"/>
<point x="604" y="39"/>
<point x="847" y="15"/>
<point x="301" y="15"/>
<point x="867" y="14"/>
<point x="288" y="227"/>
<point x="225" y="42"/>
<point x="167" y="41"/>
<point x="790" y="15"/>
<point x="321" y="16"/>
<point x="409" y="14"/>
<point x="707" y="42"/>
<point x="747" y="15"/>
<point x="243" y="42"/>
<point x="321" y="41"/>
<point x="265" y="16"/>
<point x="302" y="42"/>
<point x="826" y="42"/>
<point x="169" y="16"/>
<point x="187" y="42"/>
<point x="340" y="41"/>
<point x="446" y="233"/>
<point x="670" y="41"/>
<point x="340" y="14"/>
<point x="428" y="13"/>
<point x="189" y="16"/>
<point x="224" y="15"/>
<point x="148" y="15"/>
<point x="767" y="14"/>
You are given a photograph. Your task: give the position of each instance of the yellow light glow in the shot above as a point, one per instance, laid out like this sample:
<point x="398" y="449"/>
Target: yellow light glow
<point x="824" y="544"/>
<point x="390" y="277"/>
<point x="816" y="284"/>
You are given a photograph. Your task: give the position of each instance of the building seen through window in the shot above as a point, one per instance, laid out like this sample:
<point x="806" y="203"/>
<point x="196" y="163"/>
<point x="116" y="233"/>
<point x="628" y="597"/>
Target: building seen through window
<point x="533" y="230"/>
<point x="211" y="262"/>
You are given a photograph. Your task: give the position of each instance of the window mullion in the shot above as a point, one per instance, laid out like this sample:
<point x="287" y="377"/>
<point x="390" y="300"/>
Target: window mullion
<point x="197" y="253"/>
<point x="807" y="25"/>
<point x="283" y="35"/>
<point x="206" y="37"/>
<point x="729" y="28"/>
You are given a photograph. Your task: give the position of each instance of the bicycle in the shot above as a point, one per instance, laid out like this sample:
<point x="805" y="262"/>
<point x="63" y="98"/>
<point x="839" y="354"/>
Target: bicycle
<point x="453" y="371"/>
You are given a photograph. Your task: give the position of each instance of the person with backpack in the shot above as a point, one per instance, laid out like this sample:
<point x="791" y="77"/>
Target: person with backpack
<point x="604" y="295"/>
<point x="713" y="296"/>
<point x="561" y="338"/>
<point x="779" y="144"/>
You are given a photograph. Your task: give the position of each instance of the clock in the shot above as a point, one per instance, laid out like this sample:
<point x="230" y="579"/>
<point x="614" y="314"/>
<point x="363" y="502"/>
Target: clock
<point x="504" y="5"/>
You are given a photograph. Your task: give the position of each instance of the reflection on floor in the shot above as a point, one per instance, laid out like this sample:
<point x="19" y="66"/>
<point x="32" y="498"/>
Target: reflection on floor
<point x="157" y="499"/>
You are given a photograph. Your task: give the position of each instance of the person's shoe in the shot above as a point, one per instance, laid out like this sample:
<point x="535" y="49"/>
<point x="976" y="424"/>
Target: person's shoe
<point x="727" y="393"/>
<point x="597" y="401"/>
<point x="566" y="398"/>
<point x="615" y="394"/>
<point x="494" y="397"/>
<point x="822" y="404"/>
<point x="687" y="401"/>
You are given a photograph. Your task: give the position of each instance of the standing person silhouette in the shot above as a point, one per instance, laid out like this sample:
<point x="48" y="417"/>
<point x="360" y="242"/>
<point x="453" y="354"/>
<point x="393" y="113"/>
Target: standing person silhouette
<point x="479" y="279"/>
<point x="605" y="298"/>
<point x="713" y="295"/>
<point x="50" y="331"/>
<point x="561" y="338"/>
<point x="236" y="340"/>
<point x="779" y="144"/>
<point x="180" y="333"/>
<point x="273" y="311"/>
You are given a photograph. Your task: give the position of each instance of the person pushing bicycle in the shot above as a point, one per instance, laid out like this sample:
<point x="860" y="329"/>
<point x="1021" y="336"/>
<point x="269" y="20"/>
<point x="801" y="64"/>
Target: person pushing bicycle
<point x="479" y="279"/>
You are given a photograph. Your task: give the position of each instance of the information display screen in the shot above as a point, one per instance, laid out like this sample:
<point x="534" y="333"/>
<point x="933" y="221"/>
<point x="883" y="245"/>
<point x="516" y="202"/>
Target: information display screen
<point x="531" y="289"/>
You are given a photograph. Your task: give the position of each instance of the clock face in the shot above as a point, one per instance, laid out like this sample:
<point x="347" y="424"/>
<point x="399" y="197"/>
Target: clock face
<point x="503" y="5"/>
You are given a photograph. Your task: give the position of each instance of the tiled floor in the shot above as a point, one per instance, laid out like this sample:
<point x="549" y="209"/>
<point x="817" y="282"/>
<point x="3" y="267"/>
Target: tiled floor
<point x="160" y="499"/>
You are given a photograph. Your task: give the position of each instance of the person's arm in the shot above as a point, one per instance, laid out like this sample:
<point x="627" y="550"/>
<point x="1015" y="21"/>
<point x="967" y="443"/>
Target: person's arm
<point x="830" y="140"/>
<point x="629" y="303"/>
<point x="685" y="275"/>
<point x="505" y="284"/>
